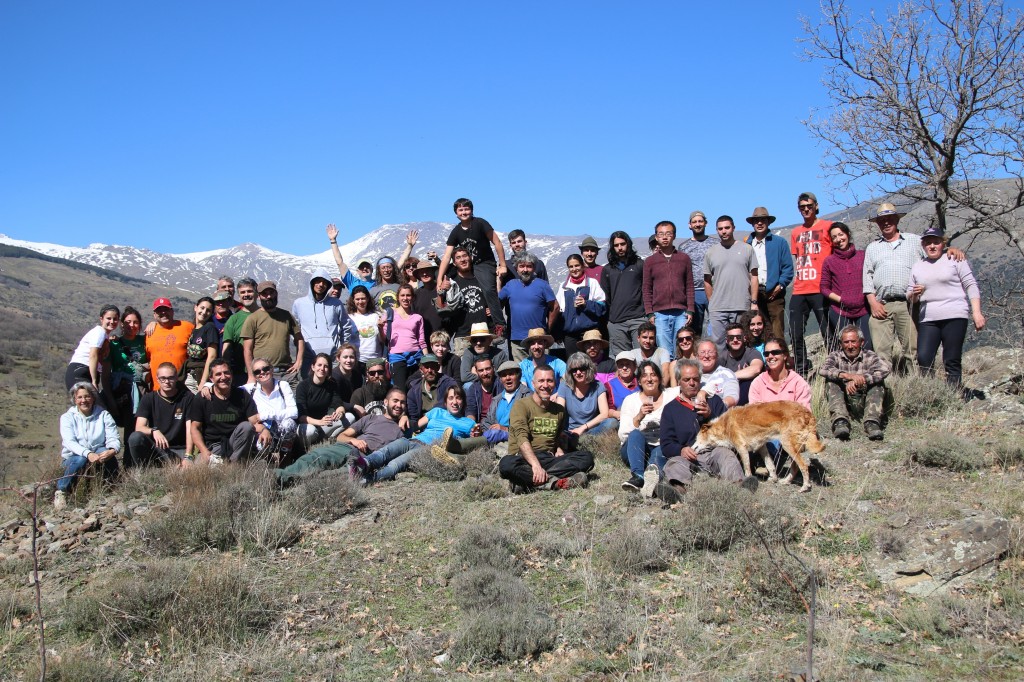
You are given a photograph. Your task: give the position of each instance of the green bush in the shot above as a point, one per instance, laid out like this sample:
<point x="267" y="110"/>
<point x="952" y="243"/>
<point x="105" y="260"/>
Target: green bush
<point x="631" y="548"/>
<point x="326" y="497"/>
<point x="484" y="487"/>
<point x="946" y="451"/>
<point x="165" y="596"/>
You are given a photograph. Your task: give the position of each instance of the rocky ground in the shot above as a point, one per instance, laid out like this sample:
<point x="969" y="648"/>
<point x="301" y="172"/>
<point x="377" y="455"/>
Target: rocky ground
<point x="916" y="545"/>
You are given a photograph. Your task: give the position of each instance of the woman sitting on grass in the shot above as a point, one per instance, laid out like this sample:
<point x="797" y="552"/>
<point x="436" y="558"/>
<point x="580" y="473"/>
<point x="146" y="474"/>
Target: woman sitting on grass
<point x="322" y="412"/>
<point x="584" y="399"/>
<point x="776" y="383"/>
<point x="275" y="403"/>
<point x="88" y="435"/>
<point x="640" y="430"/>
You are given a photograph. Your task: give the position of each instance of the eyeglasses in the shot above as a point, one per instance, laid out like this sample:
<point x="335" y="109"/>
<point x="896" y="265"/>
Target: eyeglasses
<point x="707" y="354"/>
<point x="681" y="339"/>
<point x="772" y="353"/>
<point x="170" y="378"/>
<point x="734" y="337"/>
<point x="805" y="207"/>
<point x="260" y="371"/>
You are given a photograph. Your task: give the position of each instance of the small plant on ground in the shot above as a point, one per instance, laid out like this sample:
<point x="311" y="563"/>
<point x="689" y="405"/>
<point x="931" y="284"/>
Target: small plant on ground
<point x="424" y="464"/>
<point x="631" y="548"/>
<point x="946" y="451"/>
<point x="918" y="396"/>
<point x="326" y="497"/>
<point x="484" y="487"/>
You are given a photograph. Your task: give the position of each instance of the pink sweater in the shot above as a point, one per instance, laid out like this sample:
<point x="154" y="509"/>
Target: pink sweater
<point x="793" y="388"/>
<point x="406" y="334"/>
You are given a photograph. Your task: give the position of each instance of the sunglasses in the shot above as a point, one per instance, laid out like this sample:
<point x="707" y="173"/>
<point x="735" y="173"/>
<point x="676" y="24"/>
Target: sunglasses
<point x="261" y="371"/>
<point x="375" y="373"/>
<point x="681" y="339"/>
<point x="734" y="337"/>
<point x="579" y="370"/>
<point x="772" y="353"/>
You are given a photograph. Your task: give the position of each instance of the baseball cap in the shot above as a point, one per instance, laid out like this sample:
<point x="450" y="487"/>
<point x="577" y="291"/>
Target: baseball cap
<point x="429" y="357"/>
<point x="626" y="355"/>
<point x="222" y="296"/>
<point x="266" y="284"/>
<point x="933" y="231"/>
<point x="162" y="303"/>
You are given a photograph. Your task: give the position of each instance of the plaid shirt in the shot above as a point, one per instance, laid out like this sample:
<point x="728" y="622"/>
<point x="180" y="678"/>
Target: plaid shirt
<point x="887" y="266"/>
<point x="868" y="363"/>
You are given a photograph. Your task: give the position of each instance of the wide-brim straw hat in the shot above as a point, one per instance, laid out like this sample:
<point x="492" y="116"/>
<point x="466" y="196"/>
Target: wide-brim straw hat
<point x="592" y="336"/>
<point x="886" y="210"/>
<point x="480" y="329"/>
<point x="538" y="333"/>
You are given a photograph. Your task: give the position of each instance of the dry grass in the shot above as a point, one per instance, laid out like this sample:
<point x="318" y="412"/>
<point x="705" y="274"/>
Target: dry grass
<point x="325" y="497"/>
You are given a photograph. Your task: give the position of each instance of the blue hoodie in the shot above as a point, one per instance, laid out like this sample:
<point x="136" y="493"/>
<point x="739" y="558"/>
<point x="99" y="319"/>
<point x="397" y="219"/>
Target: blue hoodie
<point x="325" y="324"/>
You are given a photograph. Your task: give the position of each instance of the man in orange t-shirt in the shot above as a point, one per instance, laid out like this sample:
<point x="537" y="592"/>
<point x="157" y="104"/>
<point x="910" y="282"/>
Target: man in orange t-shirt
<point x="169" y="338"/>
<point x="811" y="245"/>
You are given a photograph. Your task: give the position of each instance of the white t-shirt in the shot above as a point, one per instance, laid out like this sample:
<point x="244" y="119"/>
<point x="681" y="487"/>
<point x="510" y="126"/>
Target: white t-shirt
<point x="370" y="345"/>
<point x="94" y="338"/>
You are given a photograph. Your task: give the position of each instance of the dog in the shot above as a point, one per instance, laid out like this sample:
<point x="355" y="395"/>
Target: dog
<point x="748" y="428"/>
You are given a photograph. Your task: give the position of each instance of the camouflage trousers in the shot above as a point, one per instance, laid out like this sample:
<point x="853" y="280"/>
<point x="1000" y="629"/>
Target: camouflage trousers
<point x="840" y="403"/>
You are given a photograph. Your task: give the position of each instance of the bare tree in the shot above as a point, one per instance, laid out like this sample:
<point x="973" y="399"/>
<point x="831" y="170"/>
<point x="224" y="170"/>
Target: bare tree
<point x="925" y="102"/>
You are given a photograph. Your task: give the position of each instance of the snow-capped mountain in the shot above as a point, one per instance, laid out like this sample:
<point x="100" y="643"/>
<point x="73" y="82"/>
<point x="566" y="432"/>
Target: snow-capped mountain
<point x="198" y="271"/>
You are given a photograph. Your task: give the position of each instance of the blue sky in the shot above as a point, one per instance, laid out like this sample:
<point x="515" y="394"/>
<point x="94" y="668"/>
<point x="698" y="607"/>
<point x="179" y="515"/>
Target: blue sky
<point x="191" y="126"/>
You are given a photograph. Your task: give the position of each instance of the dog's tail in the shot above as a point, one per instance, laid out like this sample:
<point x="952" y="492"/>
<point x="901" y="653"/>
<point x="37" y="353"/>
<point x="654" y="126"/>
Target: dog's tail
<point x="814" y="443"/>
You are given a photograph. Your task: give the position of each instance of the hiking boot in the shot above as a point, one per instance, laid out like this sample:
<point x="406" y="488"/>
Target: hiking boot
<point x="669" y="494"/>
<point x="439" y="450"/>
<point x="841" y="429"/>
<point x="652" y="475"/>
<point x="577" y="480"/>
<point x="60" y="500"/>
<point x="873" y="430"/>
<point x="750" y="483"/>
<point x="634" y="484"/>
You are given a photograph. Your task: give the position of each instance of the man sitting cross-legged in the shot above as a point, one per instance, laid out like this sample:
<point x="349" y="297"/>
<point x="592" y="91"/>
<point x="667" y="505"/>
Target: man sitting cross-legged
<point x="368" y="434"/>
<point x="537" y="438"/>
<point x="225" y="425"/>
<point x="855" y="378"/>
<point x="681" y="420"/>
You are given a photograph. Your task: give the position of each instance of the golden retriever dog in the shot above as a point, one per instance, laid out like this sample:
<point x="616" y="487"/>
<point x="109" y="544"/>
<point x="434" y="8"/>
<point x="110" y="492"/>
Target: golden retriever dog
<point x="748" y="428"/>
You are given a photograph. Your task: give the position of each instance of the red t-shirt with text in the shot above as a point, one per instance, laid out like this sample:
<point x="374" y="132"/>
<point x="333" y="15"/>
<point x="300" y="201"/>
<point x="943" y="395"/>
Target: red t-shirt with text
<point x="810" y="247"/>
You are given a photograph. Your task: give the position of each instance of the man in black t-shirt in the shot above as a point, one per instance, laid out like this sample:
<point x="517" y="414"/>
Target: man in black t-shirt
<point x="163" y="423"/>
<point x="476" y="236"/>
<point x="227" y="424"/>
<point x="368" y="399"/>
<point x="462" y="300"/>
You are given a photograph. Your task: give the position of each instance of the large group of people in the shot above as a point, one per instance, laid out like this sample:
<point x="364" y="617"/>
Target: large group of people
<point x="477" y="348"/>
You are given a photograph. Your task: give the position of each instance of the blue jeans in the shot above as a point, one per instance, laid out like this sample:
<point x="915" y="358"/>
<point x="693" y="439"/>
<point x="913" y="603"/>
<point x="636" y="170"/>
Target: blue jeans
<point x="669" y="322"/>
<point x="391" y="460"/>
<point x="700" y="311"/>
<point x="636" y="453"/>
<point x="76" y="464"/>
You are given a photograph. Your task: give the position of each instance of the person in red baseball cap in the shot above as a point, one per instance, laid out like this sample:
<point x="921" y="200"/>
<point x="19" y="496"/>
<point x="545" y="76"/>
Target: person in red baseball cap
<point x="169" y="338"/>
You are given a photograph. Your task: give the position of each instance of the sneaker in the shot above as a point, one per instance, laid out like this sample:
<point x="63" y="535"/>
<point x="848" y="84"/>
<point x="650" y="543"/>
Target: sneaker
<point x="841" y="429"/>
<point x="577" y="480"/>
<point x="216" y="460"/>
<point x="651" y="478"/>
<point x="357" y="469"/>
<point x="873" y="430"/>
<point x="635" y="484"/>
<point x="60" y="500"/>
<point x="667" y="493"/>
<point x="750" y="483"/>
<point x="439" y="450"/>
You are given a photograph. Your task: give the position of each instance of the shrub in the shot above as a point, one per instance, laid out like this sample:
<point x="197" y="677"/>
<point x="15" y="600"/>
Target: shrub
<point x="768" y="589"/>
<point x="946" y="451"/>
<point x="917" y="396"/>
<point x="555" y="545"/>
<point x="424" y="464"/>
<point x="222" y="508"/>
<point x="219" y="606"/>
<point x="485" y="587"/>
<point x="712" y="517"/>
<point x="481" y="462"/>
<point x="142" y="482"/>
<point x="1008" y="455"/>
<point x="488" y="546"/>
<point x="507" y="635"/>
<point x="484" y="487"/>
<point x="79" y="667"/>
<point x="632" y="548"/>
<point x="604" y="446"/>
<point x="326" y="497"/>
<point x="611" y="626"/>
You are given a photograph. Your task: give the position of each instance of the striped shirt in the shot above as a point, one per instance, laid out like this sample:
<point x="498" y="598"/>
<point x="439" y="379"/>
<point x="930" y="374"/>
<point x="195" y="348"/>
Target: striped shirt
<point x="887" y="266"/>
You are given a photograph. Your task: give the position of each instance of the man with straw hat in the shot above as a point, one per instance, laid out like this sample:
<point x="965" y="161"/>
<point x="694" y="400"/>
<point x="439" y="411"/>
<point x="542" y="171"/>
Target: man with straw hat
<point x="537" y="342"/>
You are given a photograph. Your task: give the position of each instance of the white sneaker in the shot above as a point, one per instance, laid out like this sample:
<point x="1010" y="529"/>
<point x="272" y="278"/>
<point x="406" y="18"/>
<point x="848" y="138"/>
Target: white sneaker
<point x="216" y="460"/>
<point x="60" y="500"/>
<point x="651" y="477"/>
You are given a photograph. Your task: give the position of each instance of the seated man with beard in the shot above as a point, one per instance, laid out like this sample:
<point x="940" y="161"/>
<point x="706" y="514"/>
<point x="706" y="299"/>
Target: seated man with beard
<point x="369" y="398"/>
